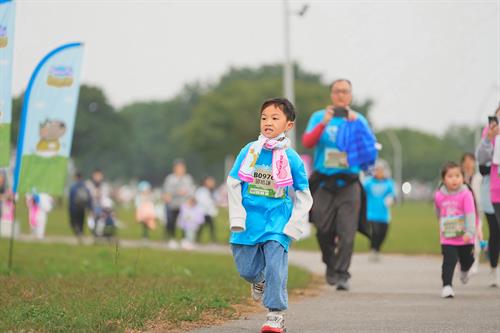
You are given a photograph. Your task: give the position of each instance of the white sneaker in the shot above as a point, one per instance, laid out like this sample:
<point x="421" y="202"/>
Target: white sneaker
<point x="464" y="277"/>
<point x="475" y="267"/>
<point x="447" y="292"/>
<point x="258" y="290"/>
<point x="187" y="245"/>
<point x="343" y="285"/>
<point x="494" y="277"/>
<point x="374" y="256"/>
<point x="172" y="244"/>
<point x="275" y="323"/>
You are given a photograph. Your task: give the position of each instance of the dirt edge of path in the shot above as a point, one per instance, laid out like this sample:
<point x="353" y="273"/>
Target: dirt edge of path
<point x="211" y="318"/>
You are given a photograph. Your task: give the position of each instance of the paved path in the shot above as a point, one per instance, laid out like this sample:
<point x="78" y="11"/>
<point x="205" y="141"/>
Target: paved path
<point x="399" y="294"/>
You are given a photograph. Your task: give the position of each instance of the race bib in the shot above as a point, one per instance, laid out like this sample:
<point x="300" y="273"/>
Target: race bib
<point x="335" y="159"/>
<point x="452" y="226"/>
<point x="263" y="184"/>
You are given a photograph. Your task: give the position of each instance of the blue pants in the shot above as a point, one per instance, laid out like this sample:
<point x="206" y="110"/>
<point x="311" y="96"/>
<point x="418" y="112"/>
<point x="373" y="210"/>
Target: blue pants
<point x="265" y="262"/>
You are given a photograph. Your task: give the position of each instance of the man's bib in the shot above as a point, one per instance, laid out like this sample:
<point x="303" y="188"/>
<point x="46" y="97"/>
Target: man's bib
<point x="335" y="158"/>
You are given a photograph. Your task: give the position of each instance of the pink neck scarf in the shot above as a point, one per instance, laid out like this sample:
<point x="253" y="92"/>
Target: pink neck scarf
<point x="281" y="172"/>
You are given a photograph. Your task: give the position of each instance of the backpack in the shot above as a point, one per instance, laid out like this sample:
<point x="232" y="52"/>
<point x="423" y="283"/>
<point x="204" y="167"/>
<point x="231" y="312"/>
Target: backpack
<point x="81" y="198"/>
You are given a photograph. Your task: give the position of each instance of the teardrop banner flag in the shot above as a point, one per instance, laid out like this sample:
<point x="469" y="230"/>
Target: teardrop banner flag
<point x="7" y="15"/>
<point x="47" y="122"/>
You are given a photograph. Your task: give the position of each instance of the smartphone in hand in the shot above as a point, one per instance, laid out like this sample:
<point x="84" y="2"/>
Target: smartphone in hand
<point x="492" y="120"/>
<point x="340" y="113"/>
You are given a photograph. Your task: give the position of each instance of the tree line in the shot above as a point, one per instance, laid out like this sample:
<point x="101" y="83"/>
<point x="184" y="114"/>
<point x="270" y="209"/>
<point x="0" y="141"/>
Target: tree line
<point x="205" y="123"/>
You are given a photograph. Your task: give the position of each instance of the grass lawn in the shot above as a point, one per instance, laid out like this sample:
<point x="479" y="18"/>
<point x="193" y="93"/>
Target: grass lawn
<point x="62" y="288"/>
<point x="413" y="229"/>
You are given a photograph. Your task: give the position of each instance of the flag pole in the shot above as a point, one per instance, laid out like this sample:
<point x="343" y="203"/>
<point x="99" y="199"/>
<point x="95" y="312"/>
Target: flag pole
<point x="12" y="231"/>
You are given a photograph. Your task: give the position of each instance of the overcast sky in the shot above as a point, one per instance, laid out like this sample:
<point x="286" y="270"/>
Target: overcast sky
<point x="426" y="64"/>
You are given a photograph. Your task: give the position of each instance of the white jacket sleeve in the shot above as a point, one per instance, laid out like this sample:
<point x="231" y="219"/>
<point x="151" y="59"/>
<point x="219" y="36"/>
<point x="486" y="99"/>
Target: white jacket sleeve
<point x="303" y="203"/>
<point x="237" y="213"/>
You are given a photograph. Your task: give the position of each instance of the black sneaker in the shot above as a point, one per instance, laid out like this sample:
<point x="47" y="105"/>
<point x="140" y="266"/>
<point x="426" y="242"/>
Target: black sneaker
<point x="331" y="277"/>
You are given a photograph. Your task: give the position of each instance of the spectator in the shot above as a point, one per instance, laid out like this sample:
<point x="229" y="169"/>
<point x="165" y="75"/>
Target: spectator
<point x="205" y="198"/>
<point x="190" y="217"/>
<point x="145" y="208"/>
<point x="79" y="201"/>
<point x="177" y="187"/>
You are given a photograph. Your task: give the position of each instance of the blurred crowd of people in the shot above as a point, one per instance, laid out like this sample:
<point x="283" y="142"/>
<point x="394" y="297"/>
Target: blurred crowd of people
<point x="179" y="204"/>
<point x="38" y="206"/>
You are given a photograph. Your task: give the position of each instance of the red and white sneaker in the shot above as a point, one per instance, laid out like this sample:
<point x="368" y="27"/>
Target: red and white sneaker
<point x="275" y="323"/>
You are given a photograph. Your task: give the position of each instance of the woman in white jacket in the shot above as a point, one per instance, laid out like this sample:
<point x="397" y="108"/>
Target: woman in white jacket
<point x="205" y="198"/>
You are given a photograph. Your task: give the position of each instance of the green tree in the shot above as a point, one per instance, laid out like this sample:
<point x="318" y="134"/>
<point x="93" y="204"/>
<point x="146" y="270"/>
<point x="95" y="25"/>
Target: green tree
<point x="462" y="136"/>
<point x="200" y="124"/>
<point x="227" y="115"/>
<point x="423" y="154"/>
<point x="100" y="137"/>
<point x="154" y="139"/>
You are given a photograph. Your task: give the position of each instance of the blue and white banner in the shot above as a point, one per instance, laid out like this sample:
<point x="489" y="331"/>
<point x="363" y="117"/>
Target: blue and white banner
<point x="47" y="122"/>
<point x="7" y="15"/>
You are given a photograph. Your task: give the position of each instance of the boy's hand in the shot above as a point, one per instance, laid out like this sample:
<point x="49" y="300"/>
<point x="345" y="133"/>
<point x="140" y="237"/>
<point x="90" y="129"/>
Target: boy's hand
<point x="466" y="238"/>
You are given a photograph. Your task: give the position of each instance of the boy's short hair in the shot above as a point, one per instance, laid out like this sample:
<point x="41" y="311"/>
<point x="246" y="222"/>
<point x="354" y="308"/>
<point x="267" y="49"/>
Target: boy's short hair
<point x="281" y="103"/>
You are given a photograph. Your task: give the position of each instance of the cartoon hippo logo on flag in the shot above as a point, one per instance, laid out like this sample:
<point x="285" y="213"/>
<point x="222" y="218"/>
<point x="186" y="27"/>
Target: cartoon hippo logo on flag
<point x="50" y="133"/>
<point x="60" y="76"/>
<point x="4" y="40"/>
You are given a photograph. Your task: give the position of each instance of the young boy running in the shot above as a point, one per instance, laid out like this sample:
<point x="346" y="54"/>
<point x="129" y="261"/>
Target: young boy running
<point x="262" y="216"/>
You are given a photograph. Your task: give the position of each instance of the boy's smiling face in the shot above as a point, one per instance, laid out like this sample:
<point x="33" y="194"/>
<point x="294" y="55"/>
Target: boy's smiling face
<point x="273" y="122"/>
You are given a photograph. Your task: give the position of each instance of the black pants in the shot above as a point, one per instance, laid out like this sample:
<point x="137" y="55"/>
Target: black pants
<point x="494" y="240"/>
<point x="379" y="231"/>
<point x="209" y="221"/>
<point x="76" y="219"/>
<point x="336" y="218"/>
<point x="451" y="253"/>
<point x="172" y="214"/>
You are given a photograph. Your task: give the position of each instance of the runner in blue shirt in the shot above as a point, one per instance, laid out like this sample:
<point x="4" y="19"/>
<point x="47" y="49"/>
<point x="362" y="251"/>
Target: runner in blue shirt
<point x="343" y="145"/>
<point x="380" y="194"/>
<point x="263" y="217"/>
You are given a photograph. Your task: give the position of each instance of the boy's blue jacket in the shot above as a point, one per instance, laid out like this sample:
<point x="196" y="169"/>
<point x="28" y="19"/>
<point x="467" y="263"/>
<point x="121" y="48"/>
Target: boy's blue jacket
<point x="257" y="213"/>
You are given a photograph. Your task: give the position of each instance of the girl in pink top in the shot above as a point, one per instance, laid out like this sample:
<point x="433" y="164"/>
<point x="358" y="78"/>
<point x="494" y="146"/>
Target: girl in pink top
<point x="457" y="225"/>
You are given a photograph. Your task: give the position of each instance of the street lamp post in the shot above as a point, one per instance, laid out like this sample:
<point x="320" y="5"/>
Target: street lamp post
<point x="288" y="75"/>
<point x="397" y="161"/>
